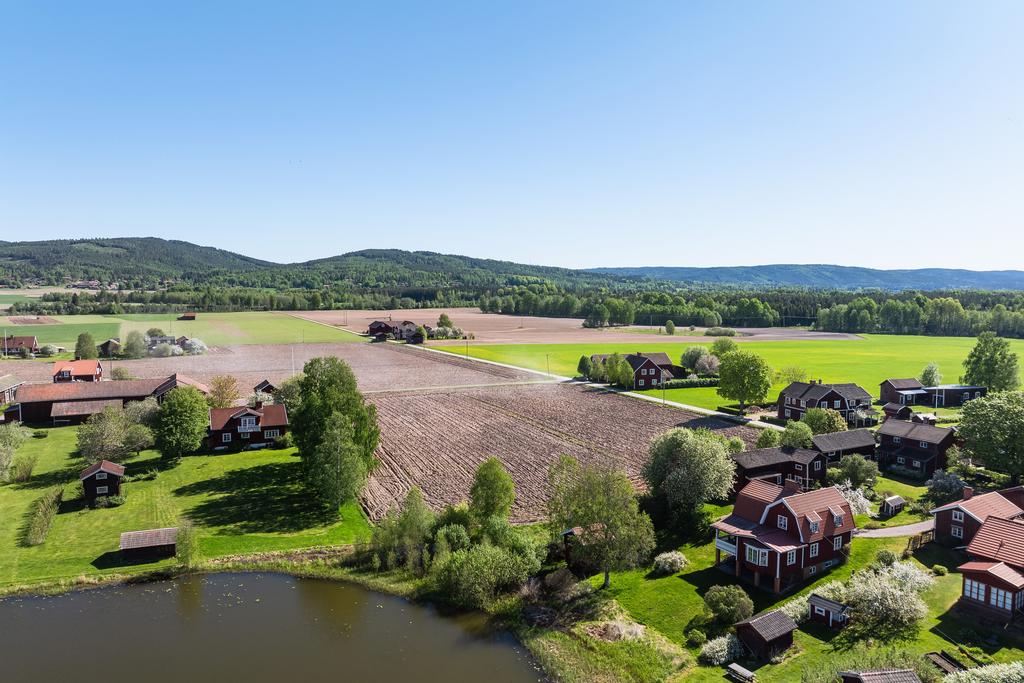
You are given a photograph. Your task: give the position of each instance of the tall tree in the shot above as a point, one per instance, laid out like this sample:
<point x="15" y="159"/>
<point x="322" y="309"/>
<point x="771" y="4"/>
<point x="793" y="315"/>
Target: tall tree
<point x="337" y="471"/>
<point x="722" y="346"/>
<point x="329" y="396"/>
<point x="493" y="492"/>
<point x="224" y="391"/>
<point x="85" y="347"/>
<point x="135" y="345"/>
<point x="930" y="376"/>
<point x="584" y="367"/>
<point x="797" y="435"/>
<point x="744" y="376"/>
<point x="670" y="327"/>
<point x="182" y="422"/>
<point x="687" y="468"/>
<point x="824" y="420"/>
<point x="991" y="364"/>
<point x="993" y="431"/>
<point x="444" y="321"/>
<point x="602" y="502"/>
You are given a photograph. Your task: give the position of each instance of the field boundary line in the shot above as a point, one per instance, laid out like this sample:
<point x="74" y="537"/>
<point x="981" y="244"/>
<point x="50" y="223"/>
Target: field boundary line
<point x="558" y="378"/>
<point x="318" y="322"/>
<point x="454" y="387"/>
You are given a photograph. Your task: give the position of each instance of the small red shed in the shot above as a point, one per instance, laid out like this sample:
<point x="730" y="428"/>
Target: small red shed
<point x="829" y="612"/>
<point x="101" y="479"/>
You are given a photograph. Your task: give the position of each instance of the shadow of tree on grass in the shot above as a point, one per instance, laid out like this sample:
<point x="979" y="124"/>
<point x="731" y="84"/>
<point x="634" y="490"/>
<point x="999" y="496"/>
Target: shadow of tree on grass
<point x="259" y="499"/>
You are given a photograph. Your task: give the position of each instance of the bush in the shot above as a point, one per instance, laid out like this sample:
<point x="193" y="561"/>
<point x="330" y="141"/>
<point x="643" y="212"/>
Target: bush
<point x="722" y="650"/>
<point x="108" y="502"/>
<point x="769" y="438"/>
<point x="886" y="558"/>
<point x="719" y="332"/>
<point x="797" y="609"/>
<point x="695" y="383"/>
<point x="671" y="562"/>
<point x="944" y="487"/>
<point x="696" y="638"/>
<point x="728" y="604"/>
<point x="21" y="468"/>
<point x="474" y="577"/>
<point x="1012" y="672"/>
<point x="454" y="537"/>
<point x="48" y="350"/>
<point x="284" y="441"/>
<point x="44" y="509"/>
<point x="40" y="434"/>
<point x="939" y="570"/>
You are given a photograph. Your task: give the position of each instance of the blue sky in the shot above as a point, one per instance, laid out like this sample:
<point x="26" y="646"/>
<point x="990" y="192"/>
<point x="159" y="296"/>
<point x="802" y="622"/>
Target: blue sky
<point x="565" y="133"/>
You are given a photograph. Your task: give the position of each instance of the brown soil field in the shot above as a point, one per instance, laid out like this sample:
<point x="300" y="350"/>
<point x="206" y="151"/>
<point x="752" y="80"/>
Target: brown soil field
<point x="33" y="320"/>
<point x="377" y="367"/>
<point x="493" y="328"/>
<point x="435" y="440"/>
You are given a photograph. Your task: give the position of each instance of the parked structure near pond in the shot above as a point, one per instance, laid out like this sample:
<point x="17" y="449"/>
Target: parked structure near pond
<point x="778" y="534"/>
<point x="880" y="676"/>
<point x="150" y="543"/>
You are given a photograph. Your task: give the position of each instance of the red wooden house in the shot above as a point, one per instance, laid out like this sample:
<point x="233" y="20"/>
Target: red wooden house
<point x="993" y="580"/>
<point x="829" y="612"/>
<point x="838" y="444"/>
<point x="781" y="464"/>
<point x="920" y="448"/>
<point x="101" y="479"/>
<point x="956" y="523"/>
<point x="77" y="371"/>
<point x="779" y="535"/>
<point x="852" y="402"/>
<point x="647" y="374"/>
<point x="246" y="427"/>
<point x="14" y="344"/>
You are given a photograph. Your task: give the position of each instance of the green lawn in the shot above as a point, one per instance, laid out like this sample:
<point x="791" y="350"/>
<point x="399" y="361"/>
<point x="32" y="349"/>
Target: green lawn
<point x="241" y="502"/>
<point x="866" y="362"/>
<point x="66" y="335"/>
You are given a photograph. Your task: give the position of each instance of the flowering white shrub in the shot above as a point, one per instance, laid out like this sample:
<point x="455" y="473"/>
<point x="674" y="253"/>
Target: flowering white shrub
<point x="859" y="502"/>
<point x="671" y="562"/>
<point x="886" y="598"/>
<point x="796" y="609"/>
<point x="944" y="486"/>
<point x="195" y="347"/>
<point x="833" y="590"/>
<point x="721" y="650"/>
<point x="993" y="673"/>
<point x="910" y="577"/>
<point x="707" y="365"/>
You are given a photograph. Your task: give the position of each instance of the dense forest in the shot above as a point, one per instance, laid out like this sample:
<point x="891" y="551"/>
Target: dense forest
<point x="154" y="275"/>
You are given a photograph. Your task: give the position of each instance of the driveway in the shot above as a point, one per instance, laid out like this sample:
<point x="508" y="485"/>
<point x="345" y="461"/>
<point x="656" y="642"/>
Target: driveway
<point x="905" y="530"/>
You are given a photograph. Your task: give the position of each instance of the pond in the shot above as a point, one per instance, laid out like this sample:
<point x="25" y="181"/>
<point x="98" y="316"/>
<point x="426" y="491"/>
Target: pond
<point x="249" y="627"/>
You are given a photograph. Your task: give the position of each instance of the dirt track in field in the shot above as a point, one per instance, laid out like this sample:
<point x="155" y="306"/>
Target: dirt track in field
<point x="492" y="328"/>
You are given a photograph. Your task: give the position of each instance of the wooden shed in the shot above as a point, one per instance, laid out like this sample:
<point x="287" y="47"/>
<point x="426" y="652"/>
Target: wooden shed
<point x="101" y="479"/>
<point x="880" y="676"/>
<point x="834" y="614"/>
<point x="187" y="315"/>
<point x="892" y="505"/>
<point x="766" y="634"/>
<point x="150" y="543"/>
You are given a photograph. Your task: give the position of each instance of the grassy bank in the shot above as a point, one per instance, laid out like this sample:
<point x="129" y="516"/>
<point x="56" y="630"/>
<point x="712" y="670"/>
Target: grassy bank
<point x="239" y="503"/>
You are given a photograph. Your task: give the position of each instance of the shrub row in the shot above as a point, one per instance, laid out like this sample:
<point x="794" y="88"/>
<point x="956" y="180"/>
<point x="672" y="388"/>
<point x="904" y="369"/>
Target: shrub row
<point x="21" y="469"/>
<point x="691" y="383"/>
<point x="719" y="332"/>
<point x="44" y="509"/>
<point x="729" y="410"/>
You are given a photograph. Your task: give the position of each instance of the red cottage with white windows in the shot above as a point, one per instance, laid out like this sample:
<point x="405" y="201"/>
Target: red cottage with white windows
<point x="849" y="400"/>
<point x="780" y="536"/>
<point x="956" y="523"/>
<point x="244" y="427"/>
<point x="993" y="581"/>
<point x="919" y="448"/>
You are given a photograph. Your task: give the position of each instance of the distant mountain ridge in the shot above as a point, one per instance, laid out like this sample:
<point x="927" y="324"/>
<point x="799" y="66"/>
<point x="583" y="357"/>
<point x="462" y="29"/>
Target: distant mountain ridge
<point x="825" y="276"/>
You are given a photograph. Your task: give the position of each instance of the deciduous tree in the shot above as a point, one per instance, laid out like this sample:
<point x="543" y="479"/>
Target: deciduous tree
<point x="691" y="355"/>
<point x="722" y="346"/>
<point x="224" y="392"/>
<point x="687" y="468"/>
<point x="670" y="327"/>
<point x="991" y="364"/>
<point x="134" y="345"/>
<point x="493" y="492"/>
<point x="993" y="431"/>
<point x="824" y="420"/>
<point x="930" y="376"/>
<point x="85" y="347"/>
<point x="797" y="435"/>
<point x="769" y="438"/>
<point x="744" y="377"/>
<point x="181" y="426"/>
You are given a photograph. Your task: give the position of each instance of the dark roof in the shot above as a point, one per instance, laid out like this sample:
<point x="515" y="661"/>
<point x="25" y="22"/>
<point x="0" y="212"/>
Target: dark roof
<point x="908" y="383"/>
<point x="883" y="676"/>
<point x="78" y="408"/>
<point x="659" y="357"/>
<point x="102" y="466"/>
<point x="843" y="441"/>
<point x="9" y="382"/>
<point x="150" y="538"/>
<point x="770" y="625"/>
<point x="636" y="361"/>
<point x="19" y="341"/>
<point x="915" y="431"/>
<point x="270" y="415"/>
<point x="815" y="391"/>
<point x="264" y="385"/>
<point x="92" y="391"/>
<point x="999" y="540"/>
<point x="763" y="457"/>
<point x="894" y="408"/>
<point x="816" y="600"/>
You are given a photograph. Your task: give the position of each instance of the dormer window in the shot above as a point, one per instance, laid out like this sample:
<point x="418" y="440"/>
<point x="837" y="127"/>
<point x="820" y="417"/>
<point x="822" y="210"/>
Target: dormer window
<point x="814" y="527"/>
<point x="837" y="520"/>
<point x="958" y="515"/>
<point x="248" y="421"/>
<point x="924" y="444"/>
<point x="783" y="522"/>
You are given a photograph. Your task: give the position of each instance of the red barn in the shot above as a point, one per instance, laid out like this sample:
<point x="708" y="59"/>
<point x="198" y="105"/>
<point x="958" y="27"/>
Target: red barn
<point x="101" y="479"/>
<point x="254" y="427"/>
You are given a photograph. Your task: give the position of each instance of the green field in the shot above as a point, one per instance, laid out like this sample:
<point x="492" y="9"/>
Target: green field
<point x="216" y="329"/>
<point x="866" y="362"/>
<point x="241" y="502"/>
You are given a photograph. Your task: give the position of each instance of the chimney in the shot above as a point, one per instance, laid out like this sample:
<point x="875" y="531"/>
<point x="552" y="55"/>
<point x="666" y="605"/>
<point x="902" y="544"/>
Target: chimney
<point x="968" y="492"/>
<point x="257" y="405"/>
<point x="790" y="487"/>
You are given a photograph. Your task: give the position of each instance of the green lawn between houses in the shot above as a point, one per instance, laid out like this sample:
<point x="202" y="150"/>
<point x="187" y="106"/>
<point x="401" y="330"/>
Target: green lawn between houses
<point x="216" y="329"/>
<point x="240" y="502"/>
<point x="866" y="362"/>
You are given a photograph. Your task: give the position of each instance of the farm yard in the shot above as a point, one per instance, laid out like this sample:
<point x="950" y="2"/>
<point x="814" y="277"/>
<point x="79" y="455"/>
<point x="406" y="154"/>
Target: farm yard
<point x="435" y="440"/>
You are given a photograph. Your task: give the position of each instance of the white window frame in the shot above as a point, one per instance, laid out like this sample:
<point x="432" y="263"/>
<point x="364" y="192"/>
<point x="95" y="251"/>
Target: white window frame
<point x="958" y="515"/>
<point x="640" y="382"/>
<point x="999" y="598"/>
<point x="820" y="611"/>
<point x="974" y="590"/>
<point x="813" y="550"/>
<point x="837" y="520"/>
<point x="900" y="460"/>
<point x="791" y="557"/>
<point x="916" y="463"/>
<point x="782" y="522"/>
<point x="245" y="435"/>
<point x="787" y="412"/>
<point x="956" y="531"/>
<point x="803" y="403"/>
<point x="923" y="444"/>
<point x="814" y="527"/>
<point x="897" y="439"/>
<point x="225" y="437"/>
<point x="813" y="569"/>
<point x="817" y="465"/>
<point x="837" y="404"/>
<point x="100" y="490"/>
<point x="101" y="475"/>
<point x="757" y="556"/>
<point x="271" y="433"/>
<point x="798" y="467"/>
<point x="837" y="543"/>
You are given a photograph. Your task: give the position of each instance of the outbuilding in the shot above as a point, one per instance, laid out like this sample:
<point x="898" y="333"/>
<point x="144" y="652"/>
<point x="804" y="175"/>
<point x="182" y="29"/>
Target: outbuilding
<point x="892" y="505"/>
<point x="767" y="634"/>
<point x="880" y="676"/>
<point x="101" y="479"/>
<point x="265" y="387"/>
<point x="834" y="614"/>
<point x="150" y="543"/>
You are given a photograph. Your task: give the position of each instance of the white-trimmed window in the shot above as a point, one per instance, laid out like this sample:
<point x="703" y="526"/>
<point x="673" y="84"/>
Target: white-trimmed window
<point x="820" y="611"/>
<point x="782" y="522"/>
<point x="225" y="437"/>
<point x="837" y="520"/>
<point x="814" y="527"/>
<point x="245" y="435"/>
<point x="272" y="433"/>
<point x="900" y="460"/>
<point x="956" y="531"/>
<point x="791" y="558"/>
<point x="787" y="412"/>
<point x="803" y="403"/>
<point x="100" y="490"/>
<point x="642" y="382"/>
<point x="924" y="444"/>
<point x="248" y="422"/>
<point x="916" y="463"/>
<point x="757" y="556"/>
<point x="958" y="515"/>
<point x="999" y="598"/>
<point x="837" y="404"/>
<point x="897" y="439"/>
<point x="837" y="543"/>
<point x="817" y="465"/>
<point x="814" y="550"/>
<point x="974" y="590"/>
<point x="798" y="467"/>
<point x="101" y="475"/>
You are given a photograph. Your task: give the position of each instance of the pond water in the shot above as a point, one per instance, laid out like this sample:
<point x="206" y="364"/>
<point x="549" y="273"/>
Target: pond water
<point x="249" y="627"/>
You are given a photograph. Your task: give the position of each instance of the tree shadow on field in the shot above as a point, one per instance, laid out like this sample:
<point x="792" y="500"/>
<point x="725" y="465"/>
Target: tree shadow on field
<point x="260" y="499"/>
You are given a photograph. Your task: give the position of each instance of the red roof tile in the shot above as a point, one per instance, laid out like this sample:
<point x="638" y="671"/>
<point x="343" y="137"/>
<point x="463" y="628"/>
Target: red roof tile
<point x="999" y="540"/>
<point x="986" y="505"/>
<point x="816" y="505"/>
<point x="77" y="368"/>
<point x="102" y="466"/>
<point x="270" y="415"/>
<point x="754" y="498"/>
<point x="149" y="538"/>
<point x="999" y="570"/>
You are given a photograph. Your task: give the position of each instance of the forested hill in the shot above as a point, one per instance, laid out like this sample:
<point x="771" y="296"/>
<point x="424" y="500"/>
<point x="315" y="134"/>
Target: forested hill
<point x="830" y="277"/>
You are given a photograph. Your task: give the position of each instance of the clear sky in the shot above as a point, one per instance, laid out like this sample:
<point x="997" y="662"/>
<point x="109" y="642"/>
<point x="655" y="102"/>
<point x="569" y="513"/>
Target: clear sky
<point x="887" y="134"/>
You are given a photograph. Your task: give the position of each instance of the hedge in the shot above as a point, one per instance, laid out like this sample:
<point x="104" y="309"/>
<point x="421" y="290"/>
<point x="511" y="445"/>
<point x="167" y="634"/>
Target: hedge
<point x="691" y="383"/>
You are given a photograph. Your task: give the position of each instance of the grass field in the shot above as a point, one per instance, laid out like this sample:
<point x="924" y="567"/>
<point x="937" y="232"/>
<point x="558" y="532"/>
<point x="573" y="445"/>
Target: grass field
<point x="241" y="502"/>
<point x="866" y="362"/>
<point x="216" y="329"/>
